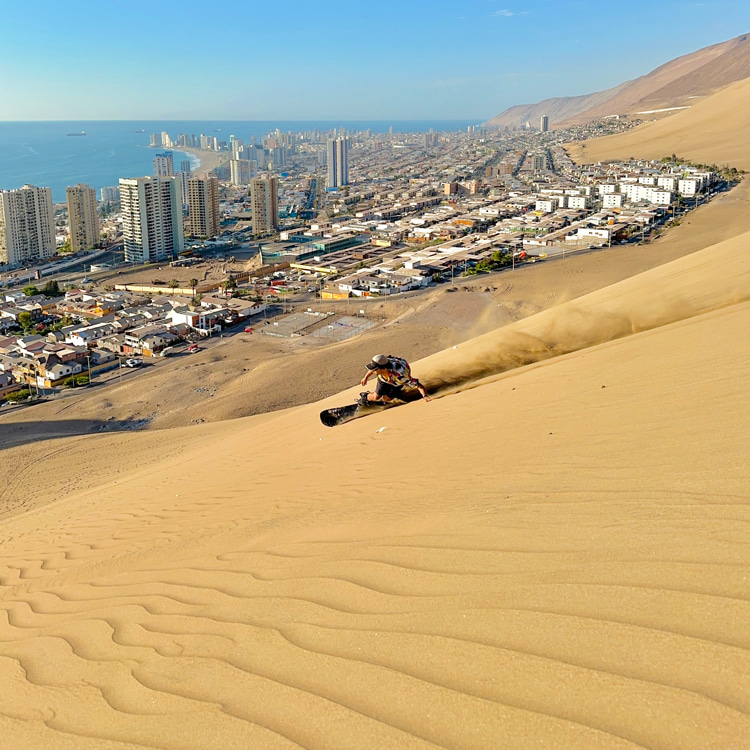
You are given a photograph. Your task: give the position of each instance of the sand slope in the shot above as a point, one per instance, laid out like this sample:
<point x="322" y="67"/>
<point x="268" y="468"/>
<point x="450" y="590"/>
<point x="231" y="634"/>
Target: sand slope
<point x="556" y="558"/>
<point x="713" y="131"/>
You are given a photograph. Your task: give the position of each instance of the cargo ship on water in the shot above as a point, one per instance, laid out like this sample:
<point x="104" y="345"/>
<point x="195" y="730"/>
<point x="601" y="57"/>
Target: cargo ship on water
<point x="83" y="132"/>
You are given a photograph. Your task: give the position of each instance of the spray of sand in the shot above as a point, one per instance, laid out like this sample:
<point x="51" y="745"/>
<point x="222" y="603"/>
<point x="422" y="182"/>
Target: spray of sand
<point x="676" y="291"/>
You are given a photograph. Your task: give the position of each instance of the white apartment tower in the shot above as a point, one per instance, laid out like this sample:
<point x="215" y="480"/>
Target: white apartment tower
<point x="151" y="218"/>
<point x="27" y="225"/>
<point x="544" y="124"/>
<point x="242" y="170"/>
<point x="82" y="218"/>
<point x="164" y="164"/>
<point x="338" y="162"/>
<point x="203" y="206"/>
<point x="265" y="204"/>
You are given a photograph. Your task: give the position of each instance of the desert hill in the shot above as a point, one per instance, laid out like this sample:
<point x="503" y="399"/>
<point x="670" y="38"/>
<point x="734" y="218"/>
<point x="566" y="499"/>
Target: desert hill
<point x="713" y="131"/>
<point x="552" y="557"/>
<point x="558" y="109"/>
<point x="675" y="84"/>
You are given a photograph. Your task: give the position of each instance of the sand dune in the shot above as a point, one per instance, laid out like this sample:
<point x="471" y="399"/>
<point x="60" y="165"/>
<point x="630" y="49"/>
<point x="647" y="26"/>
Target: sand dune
<point x="714" y="131"/>
<point x="554" y="559"/>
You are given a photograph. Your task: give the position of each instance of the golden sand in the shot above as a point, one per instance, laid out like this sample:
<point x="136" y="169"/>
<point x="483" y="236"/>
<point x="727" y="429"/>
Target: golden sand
<point x="714" y="131"/>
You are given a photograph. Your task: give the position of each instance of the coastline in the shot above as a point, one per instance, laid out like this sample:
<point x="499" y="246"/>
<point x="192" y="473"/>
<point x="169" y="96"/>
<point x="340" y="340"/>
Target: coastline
<point x="209" y="160"/>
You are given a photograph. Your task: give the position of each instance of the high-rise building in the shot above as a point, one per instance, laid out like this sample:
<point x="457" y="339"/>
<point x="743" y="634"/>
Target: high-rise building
<point x="265" y="204"/>
<point x="544" y="124"/>
<point x="242" y="171"/>
<point x="237" y="147"/>
<point x="110" y="194"/>
<point x="278" y="156"/>
<point x="151" y="218"/>
<point x="27" y="225"/>
<point x="203" y="206"/>
<point x="166" y="139"/>
<point x="338" y="162"/>
<point x="82" y="219"/>
<point x="155" y="140"/>
<point x="539" y="162"/>
<point x="164" y="164"/>
<point x="183" y="176"/>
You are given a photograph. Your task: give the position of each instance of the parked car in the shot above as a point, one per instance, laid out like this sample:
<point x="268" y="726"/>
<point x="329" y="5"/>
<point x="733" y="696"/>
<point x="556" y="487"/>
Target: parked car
<point x="134" y="362"/>
<point x="193" y="348"/>
<point x="248" y="329"/>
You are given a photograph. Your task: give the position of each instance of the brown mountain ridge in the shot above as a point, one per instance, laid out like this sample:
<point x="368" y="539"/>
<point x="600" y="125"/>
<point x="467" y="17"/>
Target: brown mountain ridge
<point x="677" y="83"/>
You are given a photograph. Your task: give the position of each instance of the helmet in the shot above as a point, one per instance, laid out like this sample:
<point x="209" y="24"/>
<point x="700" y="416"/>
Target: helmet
<point x="378" y="362"/>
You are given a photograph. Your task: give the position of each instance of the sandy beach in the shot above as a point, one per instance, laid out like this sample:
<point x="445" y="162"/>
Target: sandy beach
<point x="210" y="160"/>
<point x="551" y="553"/>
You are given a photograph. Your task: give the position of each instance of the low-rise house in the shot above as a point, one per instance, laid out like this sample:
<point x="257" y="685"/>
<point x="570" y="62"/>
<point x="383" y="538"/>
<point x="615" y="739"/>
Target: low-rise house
<point x="89" y="335"/>
<point x="53" y="372"/>
<point x="8" y="385"/>
<point x="8" y="362"/>
<point x="149" y="340"/>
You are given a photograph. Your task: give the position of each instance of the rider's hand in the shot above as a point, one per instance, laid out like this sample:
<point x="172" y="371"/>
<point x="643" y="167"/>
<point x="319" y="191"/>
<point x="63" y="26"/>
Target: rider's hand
<point x="363" y="381"/>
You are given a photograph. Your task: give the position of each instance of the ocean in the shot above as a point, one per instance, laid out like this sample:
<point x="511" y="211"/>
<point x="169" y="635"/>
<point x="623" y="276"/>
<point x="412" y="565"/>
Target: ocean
<point x="43" y="154"/>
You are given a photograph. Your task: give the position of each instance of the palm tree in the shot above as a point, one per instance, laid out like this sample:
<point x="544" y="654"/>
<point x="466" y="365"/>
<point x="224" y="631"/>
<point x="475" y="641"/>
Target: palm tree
<point x="193" y="284"/>
<point x="173" y="284"/>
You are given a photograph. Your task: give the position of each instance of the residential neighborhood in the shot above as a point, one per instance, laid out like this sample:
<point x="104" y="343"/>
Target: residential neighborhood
<point x="410" y="211"/>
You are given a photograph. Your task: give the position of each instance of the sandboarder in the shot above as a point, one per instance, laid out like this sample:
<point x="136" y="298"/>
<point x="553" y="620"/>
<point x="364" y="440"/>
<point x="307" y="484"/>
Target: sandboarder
<point x="394" y="377"/>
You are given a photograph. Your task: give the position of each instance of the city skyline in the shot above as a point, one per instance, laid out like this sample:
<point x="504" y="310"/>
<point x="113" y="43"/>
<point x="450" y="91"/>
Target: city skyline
<point x="424" y="60"/>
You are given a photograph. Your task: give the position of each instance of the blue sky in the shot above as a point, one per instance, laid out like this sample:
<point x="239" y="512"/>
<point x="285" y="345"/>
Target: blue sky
<point x="410" y="59"/>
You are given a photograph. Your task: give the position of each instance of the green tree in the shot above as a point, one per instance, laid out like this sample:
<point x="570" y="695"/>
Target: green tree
<point x="173" y="284"/>
<point x="24" y="320"/>
<point x="51" y="289"/>
<point x="193" y="284"/>
<point x="30" y="290"/>
<point x="17" y="396"/>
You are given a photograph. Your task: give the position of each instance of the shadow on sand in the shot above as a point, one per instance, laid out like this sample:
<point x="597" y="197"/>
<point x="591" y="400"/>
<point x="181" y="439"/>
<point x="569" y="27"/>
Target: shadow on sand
<point x="13" y="434"/>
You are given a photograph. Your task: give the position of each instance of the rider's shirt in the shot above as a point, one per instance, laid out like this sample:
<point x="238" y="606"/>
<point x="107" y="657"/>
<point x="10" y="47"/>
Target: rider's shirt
<point x="398" y="373"/>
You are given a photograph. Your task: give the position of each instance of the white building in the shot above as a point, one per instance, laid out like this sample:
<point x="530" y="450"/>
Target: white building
<point x="613" y="200"/>
<point x="151" y="218"/>
<point x="110" y="194"/>
<point x="547" y="205"/>
<point x="82" y="217"/>
<point x="648" y="193"/>
<point x="164" y="164"/>
<point x="27" y="225"/>
<point x="689" y="187"/>
<point x="579" y="201"/>
<point x="242" y="171"/>
<point x="667" y="182"/>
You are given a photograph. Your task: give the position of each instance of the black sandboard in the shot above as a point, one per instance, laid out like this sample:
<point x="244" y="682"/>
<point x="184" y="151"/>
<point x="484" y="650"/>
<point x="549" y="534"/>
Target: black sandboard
<point x="342" y="414"/>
